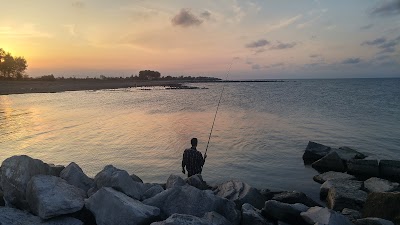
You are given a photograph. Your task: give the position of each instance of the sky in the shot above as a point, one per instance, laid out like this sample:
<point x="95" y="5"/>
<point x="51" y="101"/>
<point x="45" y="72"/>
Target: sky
<point x="234" y="39"/>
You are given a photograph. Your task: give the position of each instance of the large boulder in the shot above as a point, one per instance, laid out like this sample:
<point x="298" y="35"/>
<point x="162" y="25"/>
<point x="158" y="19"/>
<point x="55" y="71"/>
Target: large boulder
<point x="321" y="178"/>
<point x="174" y="181"/>
<point x="292" y="197"/>
<point x="183" y="219"/>
<point x="74" y="175"/>
<point x="136" y="178"/>
<point x="373" y="221"/>
<point x="314" y="151"/>
<point x="50" y="196"/>
<point x="383" y="205"/>
<point x="375" y="184"/>
<point x="324" y="216"/>
<point x="330" y="162"/>
<point x="55" y="170"/>
<point x="16" y="172"/>
<point x="240" y="193"/>
<point x="345" y="183"/>
<point x="192" y="201"/>
<point x="351" y="214"/>
<point x="119" y="180"/>
<point x="111" y="207"/>
<point x="288" y="213"/>
<point x="251" y="216"/>
<point x="197" y="181"/>
<point x="340" y="197"/>
<point x="363" y="167"/>
<point x="215" y="218"/>
<point x="2" y="203"/>
<point x="390" y="169"/>
<point x="152" y="191"/>
<point x="347" y="153"/>
<point x="12" y="216"/>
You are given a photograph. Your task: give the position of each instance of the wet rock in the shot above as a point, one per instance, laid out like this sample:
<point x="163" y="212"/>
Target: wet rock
<point x="339" y="198"/>
<point x="240" y="193"/>
<point x="12" y="216"/>
<point x="344" y="183"/>
<point x="292" y="197"/>
<point x="383" y="205"/>
<point x="215" y="218"/>
<point x="347" y="153"/>
<point x="111" y="207"/>
<point x="55" y="170"/>
<point x="136" y="178"/>
<point x="330" y="162"/>
<point x="314" y="151"/>
<point x="324" y="216"/>
<point x="50" y="196"/>
<point x="251" y="216"/>
<point x="351" y="214"/>
<point x="197" y="182"/>
<point x="119" y="180"/>
<point x="174" y="181"/>
<point x="182" y="219"/>
<point x="375" y="184"/>
<point x="321" y="178"/>
<point x="373" y="221"/>
<point x="288" y="213"/>
<point x="363" y="167"/>
<point x="192" y="201"/>
<point x="74" y="175"/>
<point x="16" y="173"/>
<point x="151" y="192"/>
<point x="390" y="169"/>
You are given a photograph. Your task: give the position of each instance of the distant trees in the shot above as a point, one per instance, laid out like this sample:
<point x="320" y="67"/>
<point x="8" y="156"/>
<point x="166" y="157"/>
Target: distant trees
<point x="12" y="67"/>
<point x="149" y="75"/>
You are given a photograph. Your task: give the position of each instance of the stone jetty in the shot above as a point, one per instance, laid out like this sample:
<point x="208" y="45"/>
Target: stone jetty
<point x="355" y="189"/>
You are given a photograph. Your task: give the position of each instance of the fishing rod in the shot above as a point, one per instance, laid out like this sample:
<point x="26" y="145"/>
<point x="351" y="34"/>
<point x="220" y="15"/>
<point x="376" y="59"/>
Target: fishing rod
<point x="219" y="102"/>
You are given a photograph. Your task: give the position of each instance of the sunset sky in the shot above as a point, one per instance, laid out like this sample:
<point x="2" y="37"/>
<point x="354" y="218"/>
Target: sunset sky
<point x="262" y="38"/>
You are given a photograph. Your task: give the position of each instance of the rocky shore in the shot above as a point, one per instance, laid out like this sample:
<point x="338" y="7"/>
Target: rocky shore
<point x="358" y="190"/>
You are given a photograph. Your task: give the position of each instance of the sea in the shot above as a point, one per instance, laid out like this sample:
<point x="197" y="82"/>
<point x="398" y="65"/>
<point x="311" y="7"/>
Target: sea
<point x="260" y="133"/>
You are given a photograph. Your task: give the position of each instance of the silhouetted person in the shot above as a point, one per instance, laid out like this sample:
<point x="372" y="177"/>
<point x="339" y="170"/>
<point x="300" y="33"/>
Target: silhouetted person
<point x="193" y="159"/>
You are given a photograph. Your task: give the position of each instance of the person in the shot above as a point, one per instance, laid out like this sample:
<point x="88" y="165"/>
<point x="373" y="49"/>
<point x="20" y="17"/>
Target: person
<point x="193" y="160"/>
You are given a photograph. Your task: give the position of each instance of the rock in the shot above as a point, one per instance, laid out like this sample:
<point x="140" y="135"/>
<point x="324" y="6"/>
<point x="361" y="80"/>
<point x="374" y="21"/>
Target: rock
<point x="197" y="182"/>
<point x="136" y="178"/>
<point x="292" y="197"/>
<point x="182" y="219"/>
<point x="50" y="196"/>
<point x="215" y="218"/>
<point x="12" y="216"/>
<point x="373" y="221"/>
<point x="330" y="162"/>
<point x="347" y="153"/>
<point x="111" y="207"/>
<point x="55" y="170"/>
<point x="321" y="178"/>
<point x="154" y="190"/>
<point x="288" y="213"/>
<point x="363" y="167"/>
<point x="390" y="169"/>
<point x="251" y="216"/>
<point x="192" y="201"/>
<point x="119" y="180"/>
<point x="351" y="214"/>
<point x="340" y="197"/>
<point x="324" y="216"/>
<point x="314" y="151"/>
<point x="240" y="193"/>
<point x="174" y="181"/>
<point x="2" y="203"/>
<point x="74" y="175"/>
<point x="345" y="183"/>
<point x="380" y="185"/>
<point x="267" y="194"/>
<point x="383" y="205"/>
<point x="16" y="173"/>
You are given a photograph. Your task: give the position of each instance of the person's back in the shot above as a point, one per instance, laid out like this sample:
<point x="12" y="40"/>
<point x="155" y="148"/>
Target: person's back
<point x="193" y="159"/>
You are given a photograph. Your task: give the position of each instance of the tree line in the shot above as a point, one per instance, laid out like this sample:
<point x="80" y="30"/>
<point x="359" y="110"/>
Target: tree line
<point x="12" y="67"/>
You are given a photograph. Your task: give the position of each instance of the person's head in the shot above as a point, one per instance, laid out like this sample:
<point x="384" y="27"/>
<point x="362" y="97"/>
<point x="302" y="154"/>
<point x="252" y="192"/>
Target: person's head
<point x="194" y="142"/>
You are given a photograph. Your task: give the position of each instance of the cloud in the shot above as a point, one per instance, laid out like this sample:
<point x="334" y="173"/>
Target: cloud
<point x="255" y="67"/>
<point x="367" y="27"/>
<point x="385" y="45"/>
<point x="257" y="44"/>
<point x="24" y="31"/>
<point x="78" y="4"/>
<point x="284" y="23"/>
<point x="315" y="55"/>
<point x="275" y="65"/>
<point x="281" y="45"/>
<point x="377" y="41"/>
<point x="351" y="61"/>
<point x="185" y="19"/>
<point x="386" y="8"/>
<point x="205" y="15"/>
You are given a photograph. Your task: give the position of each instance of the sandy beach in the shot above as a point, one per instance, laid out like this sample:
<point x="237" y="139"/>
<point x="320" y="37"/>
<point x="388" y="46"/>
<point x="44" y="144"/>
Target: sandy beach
<point x="21" y="87"/>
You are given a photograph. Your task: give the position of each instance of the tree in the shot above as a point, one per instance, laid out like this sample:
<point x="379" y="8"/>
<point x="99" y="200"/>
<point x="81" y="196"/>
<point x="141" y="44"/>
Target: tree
<point x="149" y="75"/>
<point x="10" y="67"/>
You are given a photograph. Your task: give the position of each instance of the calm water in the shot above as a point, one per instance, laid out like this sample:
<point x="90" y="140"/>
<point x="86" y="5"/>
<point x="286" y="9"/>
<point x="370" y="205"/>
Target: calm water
<point x="260" y="134"/>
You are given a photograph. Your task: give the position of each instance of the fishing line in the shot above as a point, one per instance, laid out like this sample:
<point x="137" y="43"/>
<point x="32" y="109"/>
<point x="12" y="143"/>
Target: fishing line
<point x="219" y="102"/>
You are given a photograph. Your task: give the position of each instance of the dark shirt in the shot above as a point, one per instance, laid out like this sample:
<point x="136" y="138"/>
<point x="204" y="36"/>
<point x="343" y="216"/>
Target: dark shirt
<point x="193" y="160"/>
